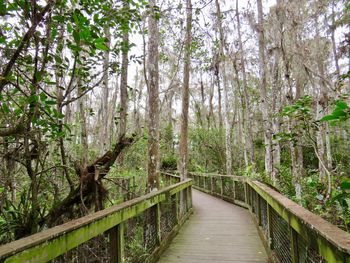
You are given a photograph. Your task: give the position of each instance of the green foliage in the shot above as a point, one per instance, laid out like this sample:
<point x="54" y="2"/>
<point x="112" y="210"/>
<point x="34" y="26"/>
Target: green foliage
<point x="135" y="158"/>
<point x="207" y="150"/>
<point x="285" y="181"/>
<point x="300" y="109"/>
<point x="14" y="219"/>
<point x="304" y="125"/>
<point x="341" y="198"/>
<point x="340" y="114"/>
<point x="60" y="59"/>
<point x="137" y="252"/>
<point x="310" y="160"/>
<point x="168" y="162"/>
<point x="167" y="139"/>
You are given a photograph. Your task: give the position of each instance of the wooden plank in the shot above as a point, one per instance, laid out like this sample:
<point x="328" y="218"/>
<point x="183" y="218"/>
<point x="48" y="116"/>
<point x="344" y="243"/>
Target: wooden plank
<point x="217" y="232"/>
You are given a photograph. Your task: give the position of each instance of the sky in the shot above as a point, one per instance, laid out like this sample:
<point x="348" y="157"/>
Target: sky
<point x="226" y="5"/>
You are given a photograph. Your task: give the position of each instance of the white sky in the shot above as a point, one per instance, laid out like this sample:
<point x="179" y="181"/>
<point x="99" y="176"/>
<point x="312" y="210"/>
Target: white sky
<point x="225" y="5"/>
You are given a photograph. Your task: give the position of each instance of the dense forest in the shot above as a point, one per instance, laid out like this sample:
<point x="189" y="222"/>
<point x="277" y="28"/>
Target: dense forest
<point x="95" y="92"/>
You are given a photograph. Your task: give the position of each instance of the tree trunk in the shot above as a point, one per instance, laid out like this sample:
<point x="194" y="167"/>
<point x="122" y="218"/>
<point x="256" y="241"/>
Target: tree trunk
<point x="153" y="99"/>
<point x="263" y="92"/>
<point x="334" y="45"/>
<point x="104" y="136"/>
<point x="276" y="107"/>
<point x="241" y="119"/>
<point x="82" y="120"/>
<point x="124" y="85"/>
<point x="183" y="148"/>
<point x="248" y="128"/>
<point x="222" y="61"/>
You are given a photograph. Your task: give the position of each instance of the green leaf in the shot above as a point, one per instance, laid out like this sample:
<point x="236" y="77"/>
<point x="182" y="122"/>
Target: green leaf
<point x="18" y="111"/>
<point x="76" y="18"/>
<point x="341" y="105"/>
<point x="57" y="114"/>
<point x="69" y="28"/>
<point x="76" y="36"/>
<point x="329" y="118"/>
<point x="54" y="32"/>
<point x="99" y="40"/>
<point x="2" y="8"/>
<point x="5" y="108"/>
<point x="43" y="96"/>
<point x="340" y="197"/>
<point x="95" y="18"/>
<point x="338" y="113"/>
<point x="58" y="18"/>
<point x="86" y="34"/>
<point x="50" y="102"/>
<point x="101" y="46"/>
<point x="345" y="185"/>
<point x="32" y="99"/>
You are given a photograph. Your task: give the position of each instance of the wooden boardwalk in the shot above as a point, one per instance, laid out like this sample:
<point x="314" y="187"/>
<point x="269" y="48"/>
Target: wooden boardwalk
<point x="217" y="232"/>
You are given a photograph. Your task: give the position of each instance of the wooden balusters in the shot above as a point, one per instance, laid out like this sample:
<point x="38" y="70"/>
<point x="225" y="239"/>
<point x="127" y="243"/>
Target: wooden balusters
<point x="116" y="243"/>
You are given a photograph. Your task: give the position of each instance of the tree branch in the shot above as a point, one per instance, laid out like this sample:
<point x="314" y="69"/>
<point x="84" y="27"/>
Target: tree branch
<point x="28" y="35"/>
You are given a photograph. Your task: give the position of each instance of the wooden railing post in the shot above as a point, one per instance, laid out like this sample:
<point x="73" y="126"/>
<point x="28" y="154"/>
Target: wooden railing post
<point x="234" y="189"/>
<point x="222" y="187"/>
<point x="294" y="245"/>
<point x="269" y="227"/>
<point x="189" y="196"/>
<point x="158" y="223"/>
<point x="134" y="186"/>
<point x="211" y="184"/>
<point x="258" y="209"/>
<point x="245" y="193"/>
<point x="176" y="206"/>
<point x="116" y="244"/>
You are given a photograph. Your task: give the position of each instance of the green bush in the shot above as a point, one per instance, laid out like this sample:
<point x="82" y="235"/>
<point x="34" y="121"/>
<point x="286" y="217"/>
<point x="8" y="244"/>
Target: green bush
<point x="168" y="162"/>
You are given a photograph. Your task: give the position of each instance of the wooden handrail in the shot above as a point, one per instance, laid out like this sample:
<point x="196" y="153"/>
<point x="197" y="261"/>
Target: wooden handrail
<point x="169" y="174"/>
<point x="237" y="178"/>
<point x="332" y="243"/>
<point x="56" y="241"/>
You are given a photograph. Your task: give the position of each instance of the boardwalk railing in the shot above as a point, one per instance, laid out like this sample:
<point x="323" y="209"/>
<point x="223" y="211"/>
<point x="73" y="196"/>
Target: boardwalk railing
<point x="134" y="231"/>
<point x="289" y="232"/>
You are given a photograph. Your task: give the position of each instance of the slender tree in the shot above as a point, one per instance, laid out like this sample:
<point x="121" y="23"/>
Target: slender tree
<point x="183" y="148"/>
<point x="222" y="62"/>
<point x="263" y="92"/>
<point x="153" y="97"/>
<point x="124" y="81"/>
<point x="246" y="115"/>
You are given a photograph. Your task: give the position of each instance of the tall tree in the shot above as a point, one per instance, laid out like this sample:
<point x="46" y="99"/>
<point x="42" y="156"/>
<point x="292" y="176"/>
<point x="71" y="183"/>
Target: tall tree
<point x="124" y="80"/>
<point x="246" y="117"/>
<point x="153" y="97"/>
<point x="183" y="149"/>
<point x="222" y="62"/>
<point x="263" y="92"/>
<point x="105" y="92"/>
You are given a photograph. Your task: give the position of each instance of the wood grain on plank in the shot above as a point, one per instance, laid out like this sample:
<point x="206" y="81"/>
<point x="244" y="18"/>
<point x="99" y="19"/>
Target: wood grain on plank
<point x="217" y="232"/>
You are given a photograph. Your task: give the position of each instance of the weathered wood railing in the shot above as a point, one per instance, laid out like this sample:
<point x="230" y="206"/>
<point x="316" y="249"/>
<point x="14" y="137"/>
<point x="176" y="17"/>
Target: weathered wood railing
<point x="145" y="224"/>
<point x="289" y="232"/>
<point x="169" y="178"/>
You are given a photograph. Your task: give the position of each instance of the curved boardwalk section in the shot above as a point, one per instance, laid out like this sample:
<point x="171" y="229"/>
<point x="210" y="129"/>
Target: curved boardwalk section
<point x="217" y="232"/>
